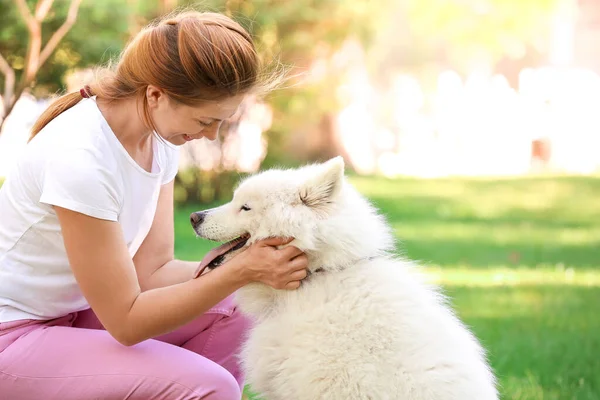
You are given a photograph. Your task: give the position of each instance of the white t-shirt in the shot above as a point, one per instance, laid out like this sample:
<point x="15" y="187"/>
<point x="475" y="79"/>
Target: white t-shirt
<point x="75" y="162"/>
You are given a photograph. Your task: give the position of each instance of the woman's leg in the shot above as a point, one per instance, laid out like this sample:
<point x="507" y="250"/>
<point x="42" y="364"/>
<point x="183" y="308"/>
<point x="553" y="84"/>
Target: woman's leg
<point x="56" y="361"/>
<point x="217" y="335"/>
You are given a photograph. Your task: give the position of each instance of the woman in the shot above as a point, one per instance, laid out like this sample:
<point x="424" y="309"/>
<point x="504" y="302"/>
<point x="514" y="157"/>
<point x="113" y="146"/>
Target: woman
<point x="93" y="304"/>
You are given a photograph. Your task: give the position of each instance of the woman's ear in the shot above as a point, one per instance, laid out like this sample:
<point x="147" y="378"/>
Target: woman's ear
<point x="154" y="96"/>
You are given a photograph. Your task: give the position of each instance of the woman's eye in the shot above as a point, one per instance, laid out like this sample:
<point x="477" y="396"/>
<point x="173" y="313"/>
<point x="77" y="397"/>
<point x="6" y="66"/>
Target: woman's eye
<point x="204" y="124"/>
<point x="245" y="208"/>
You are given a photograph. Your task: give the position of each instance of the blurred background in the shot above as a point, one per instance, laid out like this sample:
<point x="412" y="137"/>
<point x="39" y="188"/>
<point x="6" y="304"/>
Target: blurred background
<point x="474" y="126"/>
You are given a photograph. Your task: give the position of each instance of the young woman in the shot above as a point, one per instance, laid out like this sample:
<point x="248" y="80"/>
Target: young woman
<point x="93" y="304"/>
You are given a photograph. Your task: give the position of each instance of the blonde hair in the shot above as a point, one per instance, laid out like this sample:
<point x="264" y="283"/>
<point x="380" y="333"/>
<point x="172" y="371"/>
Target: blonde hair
<point x="192" y="56"/>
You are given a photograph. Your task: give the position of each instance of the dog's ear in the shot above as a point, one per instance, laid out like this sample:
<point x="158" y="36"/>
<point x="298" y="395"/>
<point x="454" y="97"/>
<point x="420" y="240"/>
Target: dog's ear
<point x="320" y="189"/>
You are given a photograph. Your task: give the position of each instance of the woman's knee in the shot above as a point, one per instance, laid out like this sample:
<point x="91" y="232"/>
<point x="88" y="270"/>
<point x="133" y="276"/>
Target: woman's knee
<point x="179" y="374"/>
<point x="203" y="380"/>
<point x="215" y="383"/>
<point x="226" y="387"/>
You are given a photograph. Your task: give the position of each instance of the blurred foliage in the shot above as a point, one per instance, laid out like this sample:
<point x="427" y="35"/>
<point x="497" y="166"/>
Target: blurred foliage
<point x="496" y="27"/>
<point x="420" y="36"/>
<point x="101" y="29"/>
<point x="459" y="31"/>
<point x="400" y="33"/>
<point x="196" y="186"/>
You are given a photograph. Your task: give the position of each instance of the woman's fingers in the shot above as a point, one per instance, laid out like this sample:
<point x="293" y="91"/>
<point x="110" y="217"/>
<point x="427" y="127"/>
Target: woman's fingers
<point x="292" y="285"/>
<point x="299" y="275"/>
<point x="275" y="241"/>
<point x="290" y="252"/>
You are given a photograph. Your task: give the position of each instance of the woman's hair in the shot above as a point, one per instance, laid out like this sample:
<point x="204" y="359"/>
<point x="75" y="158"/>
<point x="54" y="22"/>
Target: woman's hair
<point x="192" y="56"/>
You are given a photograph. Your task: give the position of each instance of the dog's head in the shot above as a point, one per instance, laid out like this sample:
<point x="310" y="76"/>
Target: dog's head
<point x="314" y="204"/>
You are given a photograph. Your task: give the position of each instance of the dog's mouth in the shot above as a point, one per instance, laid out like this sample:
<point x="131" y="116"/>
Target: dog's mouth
<point x="216" y="256"/>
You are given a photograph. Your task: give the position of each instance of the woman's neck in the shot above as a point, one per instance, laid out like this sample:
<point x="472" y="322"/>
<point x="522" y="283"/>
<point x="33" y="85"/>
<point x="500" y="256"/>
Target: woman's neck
<point x="124" y="120"/>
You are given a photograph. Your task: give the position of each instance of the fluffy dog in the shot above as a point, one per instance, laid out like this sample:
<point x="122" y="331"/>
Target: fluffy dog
<point x="363" y="324"/>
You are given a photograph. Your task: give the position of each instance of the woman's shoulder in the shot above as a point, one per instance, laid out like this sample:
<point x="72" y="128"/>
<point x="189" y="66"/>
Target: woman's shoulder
<point x="77" y="134"/>
<point x="72" y="151"/>
<point x="77" y="127"/>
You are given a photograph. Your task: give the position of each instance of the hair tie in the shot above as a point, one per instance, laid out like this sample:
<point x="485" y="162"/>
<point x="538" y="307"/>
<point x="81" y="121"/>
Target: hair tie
<point x="85" y="92"/>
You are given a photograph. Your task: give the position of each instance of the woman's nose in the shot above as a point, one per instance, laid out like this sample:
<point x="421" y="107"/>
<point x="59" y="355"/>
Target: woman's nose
<point x="211" y="132"/>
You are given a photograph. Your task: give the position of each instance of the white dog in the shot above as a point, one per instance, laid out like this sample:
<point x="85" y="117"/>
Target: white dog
<point x="363" y="324"/>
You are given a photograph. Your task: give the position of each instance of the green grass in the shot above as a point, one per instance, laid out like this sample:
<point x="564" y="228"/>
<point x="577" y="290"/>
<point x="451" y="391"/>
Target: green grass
<point x="520" y="260"/>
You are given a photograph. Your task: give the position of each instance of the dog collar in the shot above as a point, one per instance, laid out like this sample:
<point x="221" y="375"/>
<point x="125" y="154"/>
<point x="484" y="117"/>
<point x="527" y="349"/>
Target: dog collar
<point x="321" y="270"/>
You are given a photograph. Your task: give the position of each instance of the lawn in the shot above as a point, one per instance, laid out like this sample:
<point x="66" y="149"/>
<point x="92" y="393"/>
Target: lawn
<point x="520" y="260"/>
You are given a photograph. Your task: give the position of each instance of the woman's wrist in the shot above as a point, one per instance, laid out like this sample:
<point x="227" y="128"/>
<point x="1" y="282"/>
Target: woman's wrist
<point x="237" y="272"/>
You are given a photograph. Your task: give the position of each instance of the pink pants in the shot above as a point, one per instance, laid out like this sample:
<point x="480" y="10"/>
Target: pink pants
<point x="74" y="358"/>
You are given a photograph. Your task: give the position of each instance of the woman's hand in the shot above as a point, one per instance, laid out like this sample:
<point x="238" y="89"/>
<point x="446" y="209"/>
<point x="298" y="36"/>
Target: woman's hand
<point x="279" y="268"/>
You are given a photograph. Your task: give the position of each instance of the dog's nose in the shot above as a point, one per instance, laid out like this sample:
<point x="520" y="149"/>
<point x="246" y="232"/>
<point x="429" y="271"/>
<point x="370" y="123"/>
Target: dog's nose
<point x="196" y="218"/>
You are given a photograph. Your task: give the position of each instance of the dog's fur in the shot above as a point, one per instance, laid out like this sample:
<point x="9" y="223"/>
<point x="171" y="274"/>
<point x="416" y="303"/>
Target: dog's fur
<point x="363" y="325"/>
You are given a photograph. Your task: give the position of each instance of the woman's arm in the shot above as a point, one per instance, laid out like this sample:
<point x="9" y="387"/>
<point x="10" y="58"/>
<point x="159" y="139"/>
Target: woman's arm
<point x="154" y="261"/>
<point x="171" y="273"/>
<point x="107" y="277"/>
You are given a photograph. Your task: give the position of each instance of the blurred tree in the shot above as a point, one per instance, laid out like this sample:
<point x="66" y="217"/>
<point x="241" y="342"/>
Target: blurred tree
<point x="398" y="35"/>
<point x="101" y="32"/>
<point x="36" y="54"/>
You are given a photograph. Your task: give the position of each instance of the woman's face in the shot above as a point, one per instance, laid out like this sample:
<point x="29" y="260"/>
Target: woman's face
<point x="180" y="123"/>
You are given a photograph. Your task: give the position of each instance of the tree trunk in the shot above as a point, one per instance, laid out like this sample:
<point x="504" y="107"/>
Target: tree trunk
<point x="9" y="86"/>
<point x="9" y="107"/>
<point x="36" y="56"/>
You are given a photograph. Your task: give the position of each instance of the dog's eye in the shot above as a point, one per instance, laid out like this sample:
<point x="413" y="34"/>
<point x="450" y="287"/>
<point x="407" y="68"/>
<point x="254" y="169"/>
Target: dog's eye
<point x="245" y="208"/>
